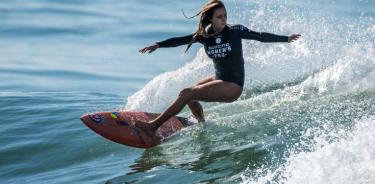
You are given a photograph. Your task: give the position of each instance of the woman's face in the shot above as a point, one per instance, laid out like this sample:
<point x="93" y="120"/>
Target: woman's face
<point x="219" y="18"/>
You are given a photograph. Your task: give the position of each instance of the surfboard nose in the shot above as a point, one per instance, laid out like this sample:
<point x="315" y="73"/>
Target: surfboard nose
<point x="88" y="120"/>
<point x="94" y="118"/>
<point x="85" y="118"/>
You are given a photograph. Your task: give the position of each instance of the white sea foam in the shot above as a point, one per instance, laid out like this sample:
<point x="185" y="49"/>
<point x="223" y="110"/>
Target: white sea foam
<point x="349" y="160"/>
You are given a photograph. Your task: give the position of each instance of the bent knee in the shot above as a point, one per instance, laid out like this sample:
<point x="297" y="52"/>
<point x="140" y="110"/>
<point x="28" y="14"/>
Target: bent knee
<point x="186" y="94"/>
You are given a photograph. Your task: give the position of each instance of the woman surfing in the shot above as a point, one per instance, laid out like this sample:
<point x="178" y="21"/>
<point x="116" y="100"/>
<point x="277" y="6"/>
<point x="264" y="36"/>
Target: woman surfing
<point x="222" y="43"/>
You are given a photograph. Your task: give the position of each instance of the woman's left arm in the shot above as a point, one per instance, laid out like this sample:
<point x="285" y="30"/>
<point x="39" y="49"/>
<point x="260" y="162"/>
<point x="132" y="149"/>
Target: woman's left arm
<point x="245" y="33"/>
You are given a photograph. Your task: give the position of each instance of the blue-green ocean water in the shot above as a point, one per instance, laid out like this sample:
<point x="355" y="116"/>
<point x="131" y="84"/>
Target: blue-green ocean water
<point x="307" y="114"/>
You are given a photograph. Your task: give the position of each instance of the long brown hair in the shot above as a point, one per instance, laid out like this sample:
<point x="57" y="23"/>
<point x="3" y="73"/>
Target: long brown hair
<point x="206" y="14"/>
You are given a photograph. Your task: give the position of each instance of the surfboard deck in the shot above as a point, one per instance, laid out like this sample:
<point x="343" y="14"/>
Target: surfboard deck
<point x="119" y="127"/>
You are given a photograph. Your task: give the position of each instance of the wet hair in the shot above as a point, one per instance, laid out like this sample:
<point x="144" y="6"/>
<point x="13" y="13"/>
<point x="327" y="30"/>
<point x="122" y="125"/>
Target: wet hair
<point x="206" y="14"/>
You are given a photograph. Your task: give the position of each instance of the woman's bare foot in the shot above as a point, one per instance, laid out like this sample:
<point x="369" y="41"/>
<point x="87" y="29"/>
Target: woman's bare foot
<point x="148" y="127"/>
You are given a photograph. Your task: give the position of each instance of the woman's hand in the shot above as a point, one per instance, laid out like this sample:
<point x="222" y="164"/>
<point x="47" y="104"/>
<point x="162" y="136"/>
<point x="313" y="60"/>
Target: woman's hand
<point x="293" y="37"/>
<point x="149" y="49"/>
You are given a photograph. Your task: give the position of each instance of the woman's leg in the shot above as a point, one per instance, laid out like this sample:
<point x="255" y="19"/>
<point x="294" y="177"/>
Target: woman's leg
<point x="194" y="106"/>
<point x="197" y="110"/>
<point x="213" y="91"/>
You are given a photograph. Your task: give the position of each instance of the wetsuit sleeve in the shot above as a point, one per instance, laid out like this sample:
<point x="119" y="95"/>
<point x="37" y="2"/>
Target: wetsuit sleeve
<point x="176" y="41"/>
<point x="246" y="33"/>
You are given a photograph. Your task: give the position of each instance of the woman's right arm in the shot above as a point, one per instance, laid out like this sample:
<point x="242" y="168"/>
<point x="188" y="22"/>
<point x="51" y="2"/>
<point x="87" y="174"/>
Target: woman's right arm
<point x="172" y="42"/>
<point x="176" y="41"/>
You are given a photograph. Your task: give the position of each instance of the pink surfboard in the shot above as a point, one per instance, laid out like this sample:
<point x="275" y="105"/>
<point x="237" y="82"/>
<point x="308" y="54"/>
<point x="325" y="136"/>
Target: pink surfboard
<point x="119" y="127"/>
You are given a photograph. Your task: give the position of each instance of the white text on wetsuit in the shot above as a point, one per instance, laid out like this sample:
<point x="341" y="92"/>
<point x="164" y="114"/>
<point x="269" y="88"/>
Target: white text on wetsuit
<point x="219" y="51"/>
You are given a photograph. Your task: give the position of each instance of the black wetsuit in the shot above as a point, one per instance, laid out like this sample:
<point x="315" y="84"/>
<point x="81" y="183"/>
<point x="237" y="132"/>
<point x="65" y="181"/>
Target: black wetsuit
<point x="225" y="49"/>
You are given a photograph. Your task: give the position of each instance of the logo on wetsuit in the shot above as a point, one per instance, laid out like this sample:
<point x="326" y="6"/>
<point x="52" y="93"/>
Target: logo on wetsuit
<point x="218" y="40"/>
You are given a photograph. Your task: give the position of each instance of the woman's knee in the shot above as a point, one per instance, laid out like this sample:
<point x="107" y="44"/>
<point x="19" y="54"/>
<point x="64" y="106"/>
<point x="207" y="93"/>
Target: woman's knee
<point x="186" y="94"/>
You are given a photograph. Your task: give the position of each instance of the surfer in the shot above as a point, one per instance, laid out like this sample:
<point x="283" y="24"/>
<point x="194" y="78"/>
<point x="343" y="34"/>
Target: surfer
<point x="222" y="43"/>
